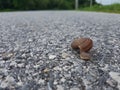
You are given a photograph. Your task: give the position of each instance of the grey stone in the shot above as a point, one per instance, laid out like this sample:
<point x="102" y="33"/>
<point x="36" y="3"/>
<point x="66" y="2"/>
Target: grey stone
<point x="52" y="57"/>
<point x="59" y="87"/>
<point x="64" y="55"/>
<point x="8" y="82"/>
<point x="74" y="89"/>
<point x="112" y="82"/>
<point x="7" y="56"/>
<point x="116" y="79"/>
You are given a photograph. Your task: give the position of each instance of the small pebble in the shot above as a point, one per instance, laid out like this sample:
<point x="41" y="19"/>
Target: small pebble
<point x="74" y="89"/>
<point x="10" y="79"/>
<point x="4" y="85"/>
<point x="55" y="82"/>
<point x="7" y="56"/>
<point x="20" y="83"/>
<point x="116" y="77"/>
<point x="36" y="66"/>
<point x="7" y="82"/>
<point x="111" y="82"/>
<point x="67" y="75"/>
<point x="59" y="87"/>
<point x="30" y="40"/>
<point x="63" y="80"/>
<point x="64" y="55"/>
<point x="52" y="57"/>
<point x="21" y="65"/>
<point x="57" y="68"/>
<point x="13" y="63"/>
<point x="46" y="70"/>
<point x="41" y="81"/>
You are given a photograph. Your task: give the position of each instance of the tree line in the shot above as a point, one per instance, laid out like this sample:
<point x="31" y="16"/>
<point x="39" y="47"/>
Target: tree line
<point x="42" y="4"/>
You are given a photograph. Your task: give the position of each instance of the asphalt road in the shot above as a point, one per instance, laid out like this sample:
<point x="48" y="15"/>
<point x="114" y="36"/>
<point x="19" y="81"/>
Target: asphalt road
<point x="35" y="51"/>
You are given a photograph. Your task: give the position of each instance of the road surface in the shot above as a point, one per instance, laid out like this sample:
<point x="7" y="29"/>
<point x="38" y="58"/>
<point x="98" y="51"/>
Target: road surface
<point x="35" y="51"/>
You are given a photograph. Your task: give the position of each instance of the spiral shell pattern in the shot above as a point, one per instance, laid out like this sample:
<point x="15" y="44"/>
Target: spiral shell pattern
<point x="84" y="44"/>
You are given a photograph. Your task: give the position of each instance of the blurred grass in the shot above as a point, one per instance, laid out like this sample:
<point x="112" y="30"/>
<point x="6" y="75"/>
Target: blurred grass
<point x="114" y="8"/>
<point x="7" y="10"/>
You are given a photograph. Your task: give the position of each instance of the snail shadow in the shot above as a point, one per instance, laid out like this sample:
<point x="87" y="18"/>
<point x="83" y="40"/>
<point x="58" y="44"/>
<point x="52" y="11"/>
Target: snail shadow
<point x="76" y="53"/>
<point x="99" y="56"/>
<point x="95" y="55"/>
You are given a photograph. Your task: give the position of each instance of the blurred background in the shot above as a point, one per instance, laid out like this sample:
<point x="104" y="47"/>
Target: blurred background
<point x="42" y="4"/>
<point x="89" y="5"/>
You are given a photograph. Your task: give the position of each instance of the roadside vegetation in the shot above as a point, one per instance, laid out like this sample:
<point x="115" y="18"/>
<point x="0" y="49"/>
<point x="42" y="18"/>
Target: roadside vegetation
<point x="114" y="8"/>
<point x="84" y="5"/>
<point x="17" y="5"/>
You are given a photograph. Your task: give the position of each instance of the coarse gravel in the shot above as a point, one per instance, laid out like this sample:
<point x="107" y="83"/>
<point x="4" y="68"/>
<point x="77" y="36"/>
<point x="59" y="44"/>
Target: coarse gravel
<point x="35" y="51"/>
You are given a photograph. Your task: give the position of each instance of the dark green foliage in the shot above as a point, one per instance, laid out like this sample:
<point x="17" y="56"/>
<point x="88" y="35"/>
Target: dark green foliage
<point x="86" y="3"/>
<point x="5" y="4"/>
<point x="41" y="4"/>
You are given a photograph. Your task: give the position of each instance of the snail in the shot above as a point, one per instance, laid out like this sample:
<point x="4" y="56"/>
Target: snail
<point x="84" y="44"/>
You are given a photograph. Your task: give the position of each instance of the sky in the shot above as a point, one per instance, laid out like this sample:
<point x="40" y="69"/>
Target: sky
<point x="107" y="2"/>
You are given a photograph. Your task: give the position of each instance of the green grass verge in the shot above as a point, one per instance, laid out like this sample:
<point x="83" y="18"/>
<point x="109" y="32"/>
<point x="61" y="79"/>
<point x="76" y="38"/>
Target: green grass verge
<point x="7" y="10"/>
<point x="114" y="8"/>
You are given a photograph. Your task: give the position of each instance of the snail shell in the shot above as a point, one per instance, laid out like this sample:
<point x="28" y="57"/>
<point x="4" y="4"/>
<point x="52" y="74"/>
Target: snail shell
<point x="84" y="44"/>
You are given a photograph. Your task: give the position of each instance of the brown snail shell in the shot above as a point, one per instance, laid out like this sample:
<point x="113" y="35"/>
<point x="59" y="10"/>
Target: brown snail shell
<point x="84" y="44"/>
<point x="76" y="43"/>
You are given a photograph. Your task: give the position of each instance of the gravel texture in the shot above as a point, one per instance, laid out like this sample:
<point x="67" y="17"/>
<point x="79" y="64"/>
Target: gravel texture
<point x="35" y="51"/>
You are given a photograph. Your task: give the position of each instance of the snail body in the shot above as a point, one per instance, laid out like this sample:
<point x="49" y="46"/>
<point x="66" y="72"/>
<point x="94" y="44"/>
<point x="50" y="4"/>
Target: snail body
<point x="84" y="44"/>
<point x="85" y="56"/>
